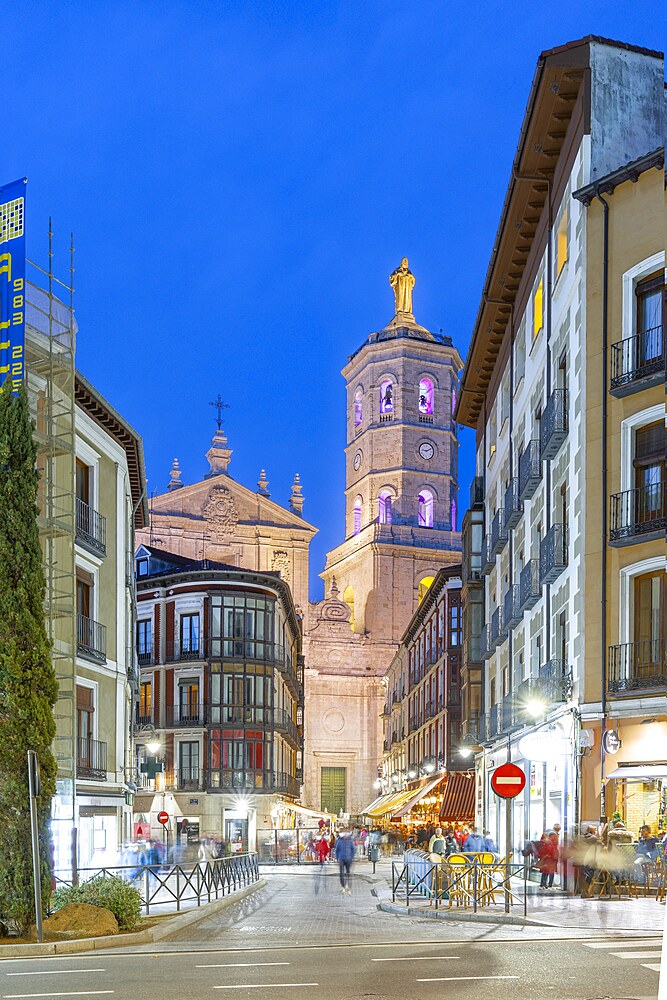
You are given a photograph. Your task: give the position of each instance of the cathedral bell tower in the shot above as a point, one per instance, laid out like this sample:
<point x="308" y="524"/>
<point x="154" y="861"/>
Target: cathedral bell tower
<point x="401" y="484"/>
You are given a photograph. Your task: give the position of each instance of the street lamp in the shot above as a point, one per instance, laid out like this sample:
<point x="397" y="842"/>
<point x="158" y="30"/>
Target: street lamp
<point x="412" y="773"/>
<point x="153" y="746"/>
<point x="535" y="707"/>
<point x="429" y="767"/>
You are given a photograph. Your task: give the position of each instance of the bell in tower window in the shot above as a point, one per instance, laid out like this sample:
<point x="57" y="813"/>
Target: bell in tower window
<point x="426" y="396"/>
<point x="386" y="396"/>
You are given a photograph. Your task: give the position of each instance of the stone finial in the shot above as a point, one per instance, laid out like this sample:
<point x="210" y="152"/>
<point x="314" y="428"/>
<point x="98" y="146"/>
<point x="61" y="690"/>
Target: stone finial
<point x="296" y="499"/>
<point x="263" y="484"/>
<point x="218" y="455"/>
<point x="175" y="477"/>
<point x="333" y="589"/>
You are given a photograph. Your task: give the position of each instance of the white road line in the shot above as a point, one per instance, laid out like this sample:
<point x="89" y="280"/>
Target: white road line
<point x="240" y="965"/>
<point x="654" y="968"/>
<point x="636" y="954"/>
<point x="463" y="979"/>
<point x="264" y="986"/>
<point x="628" y="943"/>
<point x="81" y="993"/>
<point x="54" y="972"/>
<point x="423" y="958"/>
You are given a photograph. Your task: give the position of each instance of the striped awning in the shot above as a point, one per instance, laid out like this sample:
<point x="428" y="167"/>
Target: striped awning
<point x="416" y="795"/>
<point x="458" y="803"/>
<point x="387" y="804"/>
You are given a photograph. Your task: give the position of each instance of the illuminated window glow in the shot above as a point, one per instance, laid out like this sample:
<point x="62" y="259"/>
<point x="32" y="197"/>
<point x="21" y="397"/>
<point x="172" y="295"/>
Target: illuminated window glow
<point x="562" y="248"/>
<point x="454" y="515"/>
<point x="356" y="516"/>
<point x="426" y="396"/>
<point x="384" y="507"/>
<point x="425" y="509"/>
<point x="358" y="407"/>
<point x="538" y="309"/>
<point x="386" y="396"/>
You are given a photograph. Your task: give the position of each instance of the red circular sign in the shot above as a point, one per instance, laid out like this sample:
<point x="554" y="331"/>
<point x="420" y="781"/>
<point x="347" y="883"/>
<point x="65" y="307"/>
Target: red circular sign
<point x="508" y="780"/>
<point x="163" y="817"/>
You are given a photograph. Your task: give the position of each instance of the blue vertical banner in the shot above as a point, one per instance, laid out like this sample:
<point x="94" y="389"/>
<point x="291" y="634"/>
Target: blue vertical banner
<point x="12" y="283"/>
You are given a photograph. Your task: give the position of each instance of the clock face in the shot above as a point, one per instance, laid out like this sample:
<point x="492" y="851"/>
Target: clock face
<point x="357" y="461"/>
<point x="426" y="450"/>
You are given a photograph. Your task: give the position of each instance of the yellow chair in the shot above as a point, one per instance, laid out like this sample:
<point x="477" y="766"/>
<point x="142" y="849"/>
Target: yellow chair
<point x="460" y="871"/>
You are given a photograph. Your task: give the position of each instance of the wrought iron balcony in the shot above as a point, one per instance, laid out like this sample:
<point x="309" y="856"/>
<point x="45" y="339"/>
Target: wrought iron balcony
<point x="529" y="586"/>
<point x="530" y="470"/>
<point x="637" y="362"/>
<point x="477" y="491"/>
<point x="185" y="716"/>
<point x="513" y="505"/>
<point x="638" y="515"/>
<point x="553" y="426"/>
<point x="498" y="632"/>
<point x="91" y="759"/>
<point x="555" y="679"/>
<point x="91" y="528"/>
<point x="638" y="666"/>
<point x="553" y="553"/>
<point x="190" y="649"/>
<point x="145" y="654"/>
<point x="511" y="607"/>
<point x="430" y="710"/>
<point x="487" y="647"/>
<point x="186" y="779"/>
<point x="91" y="639"/>
<point x="488" y="559"/>
<point x="284" y="723"/>
<point x="492" y="722"/>
<point x="143" y="716"/>
<point x="498" y="532"/>
<point x="507" y="715"/>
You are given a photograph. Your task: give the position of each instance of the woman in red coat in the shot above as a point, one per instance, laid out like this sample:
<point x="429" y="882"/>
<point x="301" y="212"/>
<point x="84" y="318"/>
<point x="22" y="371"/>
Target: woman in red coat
<point x="547" y="852"/>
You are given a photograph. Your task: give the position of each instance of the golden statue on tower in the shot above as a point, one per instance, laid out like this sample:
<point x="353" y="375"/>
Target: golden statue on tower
<point x="402" y="280"/>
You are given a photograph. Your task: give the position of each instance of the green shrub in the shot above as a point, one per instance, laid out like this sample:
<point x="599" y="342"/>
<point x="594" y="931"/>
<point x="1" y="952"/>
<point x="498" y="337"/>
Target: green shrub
<point x="122" y="899"/>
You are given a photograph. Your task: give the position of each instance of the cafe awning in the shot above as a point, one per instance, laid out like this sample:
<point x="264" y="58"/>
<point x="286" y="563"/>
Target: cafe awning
<point x="416" y="795"/>
<point x="458" y="803"/>
<point x="313" y="813"/>
<point x="640" y="772"/>
<point x="387" y="804"/>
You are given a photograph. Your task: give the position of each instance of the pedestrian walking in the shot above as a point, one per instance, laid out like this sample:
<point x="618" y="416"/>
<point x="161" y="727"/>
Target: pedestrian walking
<point x="547" y="849"/>
<point x="344" y="854"/>
<point x="437" y="844"/>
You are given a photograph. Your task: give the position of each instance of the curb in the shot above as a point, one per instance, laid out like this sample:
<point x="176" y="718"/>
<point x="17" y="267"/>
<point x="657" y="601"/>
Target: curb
<point x="446" y="914"/>
<point x="151" y="934"/>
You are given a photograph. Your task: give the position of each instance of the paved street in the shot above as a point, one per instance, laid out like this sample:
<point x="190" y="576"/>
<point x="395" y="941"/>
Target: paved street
<point x="299" y="935"/>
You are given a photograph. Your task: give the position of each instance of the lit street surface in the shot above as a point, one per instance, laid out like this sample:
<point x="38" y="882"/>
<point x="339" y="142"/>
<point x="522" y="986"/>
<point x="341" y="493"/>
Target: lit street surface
<point x="287" y="937"/>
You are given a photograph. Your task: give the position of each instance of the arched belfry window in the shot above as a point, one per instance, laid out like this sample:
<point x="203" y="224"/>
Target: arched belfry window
<point x="356" y="516"/>
<point x="358" y="407"/>
<point x="384" y="507"/>
<point x="386" y="396"/>
<point x="426" y="396"/>
<point x="425" y="509"/>
<point x="454" y="528"/>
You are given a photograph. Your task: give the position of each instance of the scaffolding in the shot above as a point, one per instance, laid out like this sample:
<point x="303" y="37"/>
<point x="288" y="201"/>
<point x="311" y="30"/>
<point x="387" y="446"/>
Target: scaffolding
<point x="50" y="376"/>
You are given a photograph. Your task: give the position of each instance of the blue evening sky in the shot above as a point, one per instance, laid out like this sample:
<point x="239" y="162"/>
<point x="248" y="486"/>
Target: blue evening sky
<point x="242" y="177"/>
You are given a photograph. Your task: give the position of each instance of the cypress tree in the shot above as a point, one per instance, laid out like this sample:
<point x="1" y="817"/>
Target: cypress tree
<point x="28" y="685"/>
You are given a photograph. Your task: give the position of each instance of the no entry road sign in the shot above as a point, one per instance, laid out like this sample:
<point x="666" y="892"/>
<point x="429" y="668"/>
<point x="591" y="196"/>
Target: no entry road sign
<point x="163" y="817"/>
<point x="508" y="780"/>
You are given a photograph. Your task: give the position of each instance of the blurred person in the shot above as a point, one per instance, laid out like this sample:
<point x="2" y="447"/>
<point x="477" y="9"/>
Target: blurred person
<point x="548" y="859"/>
<point x="344" y="854"/>
<point x="589" y="856"/>
<point x="322" y="850"/>
<point x="647" y="845"/>
<point x="437" y="844"/>
<point x="619" y="834"/>
<point x="474" y="842"/>
<point x="451" y="847"/>
<point x="489" y="844"/>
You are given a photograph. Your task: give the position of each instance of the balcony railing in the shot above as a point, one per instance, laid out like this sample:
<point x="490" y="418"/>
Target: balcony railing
<point x="192" y="649"/>
<point x="553" y="553"/>
<point x="553" y="426"/>
<point x="145" y="654"/>
<point x="185" y="716"/>
<point x="530" y="470"/>
<point x="556" y="680"/>
<point x="636" y="514"/>
<point x="477" y="491"/>
<point x="91" y="639"/>
<point x="511" y="607"/>
<point x="529" y="586"/>
<point x="143" y="716"/>
<point x="507" y="715"/>
<point x="91" y="528"/>
<point x="251" y="781"/>
<point x="498" y="532"/>
<point x="91" y="759"/>
<point x="498" y="632"/>
<point x="487" y="645"/>
<point x="430" y="710"/>
<point x="185" y="779"/>
<point x="284" y="723"/>
<point x="492" y="727"/>
<point x="488" y="559"/>
<point x="638" y="666"/>
<point x="637" y="362"/>
<point x="513" y="505"/>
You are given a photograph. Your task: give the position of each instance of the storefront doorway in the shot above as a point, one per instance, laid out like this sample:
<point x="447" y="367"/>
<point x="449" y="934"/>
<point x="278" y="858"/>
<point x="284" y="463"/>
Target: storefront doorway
<point x="236" y="835"/>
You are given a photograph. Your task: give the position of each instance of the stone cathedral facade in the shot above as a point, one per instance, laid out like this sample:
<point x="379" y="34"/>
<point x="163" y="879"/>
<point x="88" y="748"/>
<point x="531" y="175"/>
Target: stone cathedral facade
<point x="401" y="498"/>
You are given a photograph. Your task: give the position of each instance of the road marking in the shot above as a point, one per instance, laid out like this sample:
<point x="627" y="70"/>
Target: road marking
<point x="240" y="965"/>
<point x="627" y="943"/>
<point x="424" y="958"/>
<point x="80" y="993"/>
<point x="654" y="968"/>
<point x="636" y="954"/>
<point x="463" y="979"/>
<point x="54" y="972"/>
<point x="264" y="986"/>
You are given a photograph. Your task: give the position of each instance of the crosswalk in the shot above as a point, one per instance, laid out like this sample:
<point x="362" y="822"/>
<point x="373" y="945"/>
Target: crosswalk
<point x="633" y="950"/>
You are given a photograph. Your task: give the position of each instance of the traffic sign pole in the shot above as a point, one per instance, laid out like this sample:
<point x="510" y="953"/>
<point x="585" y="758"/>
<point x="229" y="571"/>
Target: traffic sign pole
<point x="508" y="781"/>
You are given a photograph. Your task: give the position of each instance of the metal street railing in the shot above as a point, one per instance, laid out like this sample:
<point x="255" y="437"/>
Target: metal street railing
<point x="473" y="883"/>
<point x="168" y="887"/>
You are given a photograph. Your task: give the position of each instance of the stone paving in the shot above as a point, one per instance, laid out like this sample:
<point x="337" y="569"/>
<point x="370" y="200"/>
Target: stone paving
<point x="300" y="907"/>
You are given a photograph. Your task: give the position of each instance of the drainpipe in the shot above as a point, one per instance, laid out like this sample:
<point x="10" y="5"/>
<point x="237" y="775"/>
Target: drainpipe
<point x="603" y="597"/>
